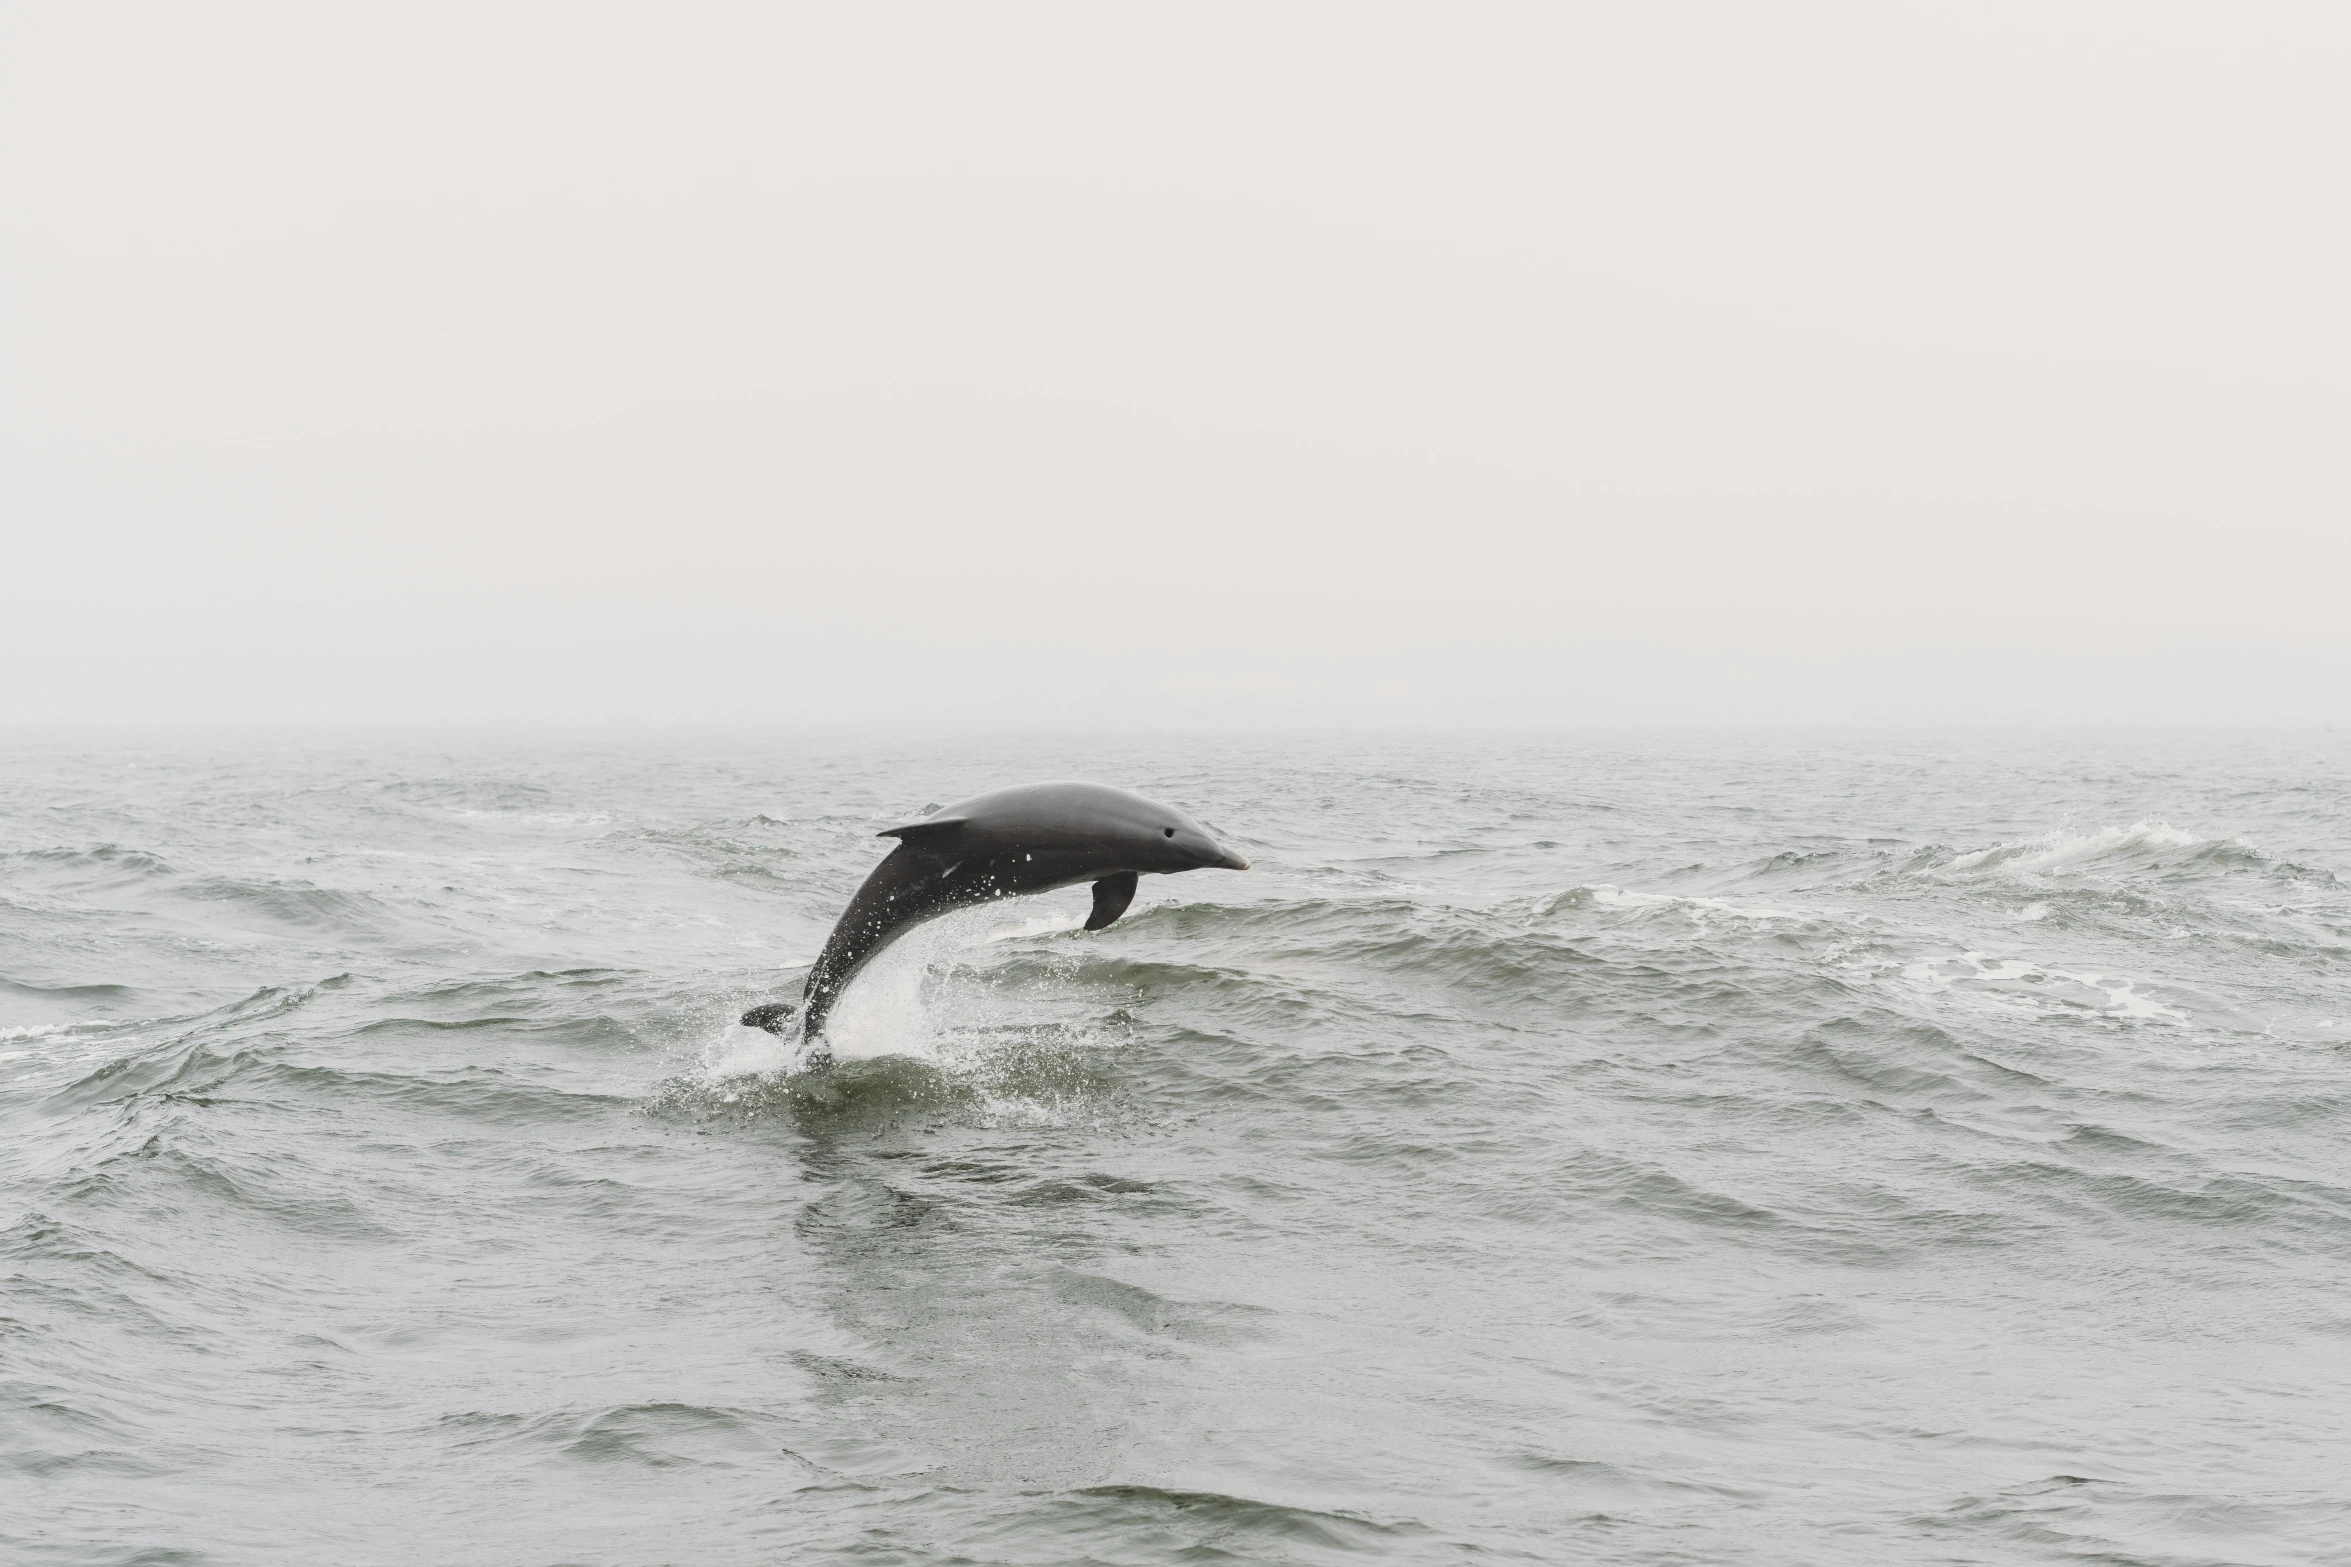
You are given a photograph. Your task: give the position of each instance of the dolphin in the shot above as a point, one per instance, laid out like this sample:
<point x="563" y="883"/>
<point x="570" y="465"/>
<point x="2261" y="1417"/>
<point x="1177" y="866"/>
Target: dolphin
<point x="1031" y="838"/>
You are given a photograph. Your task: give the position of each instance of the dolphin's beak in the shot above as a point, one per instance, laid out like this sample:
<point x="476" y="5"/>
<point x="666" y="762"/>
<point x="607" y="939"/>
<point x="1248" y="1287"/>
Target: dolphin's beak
<point x="1231" y="861"/>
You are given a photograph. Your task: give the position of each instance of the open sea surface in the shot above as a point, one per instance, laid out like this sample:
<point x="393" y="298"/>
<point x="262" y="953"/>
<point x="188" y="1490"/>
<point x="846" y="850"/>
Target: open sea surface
<point x="1578" y="1148"/>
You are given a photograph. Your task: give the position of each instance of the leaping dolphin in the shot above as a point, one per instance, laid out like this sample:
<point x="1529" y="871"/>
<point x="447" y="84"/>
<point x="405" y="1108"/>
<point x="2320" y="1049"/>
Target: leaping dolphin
<point x="1032" y="838"/>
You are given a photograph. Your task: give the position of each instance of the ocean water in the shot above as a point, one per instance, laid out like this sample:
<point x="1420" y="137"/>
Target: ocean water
<point x="1633" y="1148"/>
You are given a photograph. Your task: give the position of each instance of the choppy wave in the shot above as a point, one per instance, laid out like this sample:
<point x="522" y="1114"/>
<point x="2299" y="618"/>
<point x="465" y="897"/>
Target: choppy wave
<point x="1683" y="1150"/>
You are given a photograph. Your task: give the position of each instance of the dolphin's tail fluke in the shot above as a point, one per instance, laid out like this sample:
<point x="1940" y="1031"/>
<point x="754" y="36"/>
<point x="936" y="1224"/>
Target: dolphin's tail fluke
<point x="776" y="1018"/>
<point x="771" y="1016"/>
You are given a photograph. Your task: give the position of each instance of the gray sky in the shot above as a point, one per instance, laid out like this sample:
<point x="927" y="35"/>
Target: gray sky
<point x="1183" y="364"/>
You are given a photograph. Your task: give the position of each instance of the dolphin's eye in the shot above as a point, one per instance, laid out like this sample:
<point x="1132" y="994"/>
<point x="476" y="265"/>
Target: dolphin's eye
<point x="1170" y="831"/>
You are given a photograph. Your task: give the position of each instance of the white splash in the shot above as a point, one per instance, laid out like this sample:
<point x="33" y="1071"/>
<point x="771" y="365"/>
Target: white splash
<point x="892" y="1007"/>
<point x="2062" y="851"/>
<point x="2011" y="983"/>
<point x="1041" y="925"/>
<point x="748" y="1052"/>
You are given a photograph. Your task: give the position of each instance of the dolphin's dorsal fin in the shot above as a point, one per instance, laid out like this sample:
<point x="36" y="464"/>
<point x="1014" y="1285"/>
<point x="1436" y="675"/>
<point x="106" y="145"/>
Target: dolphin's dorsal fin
<point x="928" y="827"/>
<point x="1112" y="894"/>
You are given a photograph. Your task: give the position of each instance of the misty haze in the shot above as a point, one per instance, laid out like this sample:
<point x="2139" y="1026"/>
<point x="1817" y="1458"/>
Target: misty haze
<point x="1122" y="783"/>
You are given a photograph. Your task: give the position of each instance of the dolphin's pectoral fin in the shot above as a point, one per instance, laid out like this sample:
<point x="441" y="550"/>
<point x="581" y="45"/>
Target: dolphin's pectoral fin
<point x="1112" y="894"/>
<point x="770" y="1017"/>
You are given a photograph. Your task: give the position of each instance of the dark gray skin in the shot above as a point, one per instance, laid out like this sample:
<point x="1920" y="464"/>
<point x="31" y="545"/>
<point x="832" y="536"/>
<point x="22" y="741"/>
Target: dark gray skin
<point x="1000" y="845"/>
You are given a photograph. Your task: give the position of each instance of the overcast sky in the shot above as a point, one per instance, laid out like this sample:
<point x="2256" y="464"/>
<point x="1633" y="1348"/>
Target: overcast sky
<point x="1175" y="364"/>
